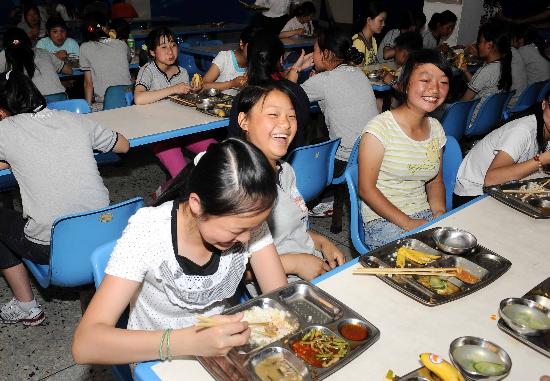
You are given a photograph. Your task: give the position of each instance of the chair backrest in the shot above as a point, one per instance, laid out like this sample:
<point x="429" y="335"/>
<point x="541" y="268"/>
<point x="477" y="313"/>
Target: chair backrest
<point x="206" y="62"/>
<point x="489" y="114"/>
<point x="80" y="106"/>
<point x="314" y="167"/>
<point x="528" y="97"/>
<point x="455" y="119"/>
<point x="55" y="97"/>
<point x="356" y="220"/>
<point x="99" y="259"/>
<point x="187" y="61"/>
<point x="129" y="98"/>
<point x="352" y="160"/>
<point x="75" y="237"/>
<point x="452" y="158"/>
<point x="115" y="96"/>
<point x="545" y="90"/>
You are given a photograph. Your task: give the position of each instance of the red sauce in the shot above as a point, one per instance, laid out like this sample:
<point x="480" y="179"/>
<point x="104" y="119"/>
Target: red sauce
<point x="354" y="332"/>
<point x="307" y="353"/>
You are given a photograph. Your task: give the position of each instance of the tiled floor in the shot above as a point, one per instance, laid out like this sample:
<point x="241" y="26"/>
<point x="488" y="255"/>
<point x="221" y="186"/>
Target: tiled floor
<point x="43" y="352"/>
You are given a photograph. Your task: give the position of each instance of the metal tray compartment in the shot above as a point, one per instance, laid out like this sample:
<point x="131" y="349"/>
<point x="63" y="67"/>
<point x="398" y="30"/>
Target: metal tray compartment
<point x="421" y="374"/>
<point x="313" y="308"/>
<point x="539" y="343"/>
<point x="481" y="262"/>
<point x="532" y="206"/>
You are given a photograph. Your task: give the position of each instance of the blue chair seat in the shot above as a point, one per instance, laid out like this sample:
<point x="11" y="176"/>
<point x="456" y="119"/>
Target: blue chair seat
<point x="115" y="97"/>
<point x="490" y="113"/>
<point x="528" y="97"/>
<point x="455" y="119"/>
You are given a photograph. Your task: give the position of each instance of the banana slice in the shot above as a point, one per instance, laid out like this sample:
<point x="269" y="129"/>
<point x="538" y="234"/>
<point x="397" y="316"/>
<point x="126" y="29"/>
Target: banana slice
<point x="196" y="81"/>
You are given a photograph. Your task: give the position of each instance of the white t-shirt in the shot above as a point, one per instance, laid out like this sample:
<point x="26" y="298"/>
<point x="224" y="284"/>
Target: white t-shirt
<point x="517" y="138"/>
<point x="294" y="24"/>
<point x="168" y="297"/>
<point x="428" y="40"/>
<point x="536" y="66"/>
<point x="277" y="8"/>
<point x="485" y="83"/>
<point x="226" y="61"/>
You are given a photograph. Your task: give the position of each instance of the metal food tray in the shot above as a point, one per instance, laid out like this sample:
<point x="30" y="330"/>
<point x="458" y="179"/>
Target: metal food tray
<point x="312" y="308"/>
<point x="481" y="262"/>
<point x="539" y="343"/>
<point x="513" y="201"/>
<point x="420" y="374"/>
<point x="188" y="99"/>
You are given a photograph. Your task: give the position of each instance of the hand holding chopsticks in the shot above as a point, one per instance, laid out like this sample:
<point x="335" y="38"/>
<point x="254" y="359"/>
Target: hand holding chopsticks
<point x="440" y="271"/>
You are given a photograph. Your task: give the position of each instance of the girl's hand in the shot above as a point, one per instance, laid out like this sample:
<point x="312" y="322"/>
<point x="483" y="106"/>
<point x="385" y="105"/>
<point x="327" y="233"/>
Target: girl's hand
<point x="182" y="88"/>
<point x="239" y="81"/>
<point x="437" y="213"/>
<point x="388" y="78"/>
<point x="300" y="32"/>
<point x="218" y="340"/>
<point x="308" y="266"/>
<point x="471" y="49"/>
<point x="414" y="223"/>
<point x="333" y="255"/>
<point x="305" y="61"/>
<point x="62" y="55"/>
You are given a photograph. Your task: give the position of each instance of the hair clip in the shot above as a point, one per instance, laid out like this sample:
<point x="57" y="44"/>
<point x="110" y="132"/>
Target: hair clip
<point x="198" y="157"/>
<point x="144" y="47"/>
<point x="90" y="28"/>
<point x="38" y="108"/>
<point x="8" y="75"/>
<point x="15" y="42"/>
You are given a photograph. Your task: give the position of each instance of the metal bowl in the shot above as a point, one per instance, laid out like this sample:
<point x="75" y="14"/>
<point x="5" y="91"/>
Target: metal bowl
<point x="511" y="307"/>
<point x="205" y="104"/>
<point x="542" y="300"/>
<point x="466" y="352"/>
<point x="212" y="92"/>
<point x="454" y="241"/>
<point x="372" y="75"/>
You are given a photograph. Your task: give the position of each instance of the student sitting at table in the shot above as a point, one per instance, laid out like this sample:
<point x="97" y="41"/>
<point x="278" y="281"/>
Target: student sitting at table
<point x="493" y="45"/>
<point x="159" y="79"/>
<point x="104" y="60"/>
<point x="267" y="117"/>
<point x="440" y="27"/>
<point x="228" y="69"/>
<point x="33" y="24"/>
<point x="183" y="258"/>
<point x="531" y="50"/>
<point x="51" y="155"/>
<point x="400" y="180"/>
<point x="364" y="41"/>
<point x="511" y="152"/>
<point x="301" y="24"/>
<point x="386" y="49"/>
<point x="57" y="41"/>
<point x="40" y="65"/>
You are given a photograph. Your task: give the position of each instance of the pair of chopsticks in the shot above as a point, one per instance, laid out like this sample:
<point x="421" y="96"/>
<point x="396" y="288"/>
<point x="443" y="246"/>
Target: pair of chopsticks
<point x="206" y="322"/>
<point x="442" y="271"/>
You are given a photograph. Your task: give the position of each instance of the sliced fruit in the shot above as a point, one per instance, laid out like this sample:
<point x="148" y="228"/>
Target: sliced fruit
<point x="489" y="368"/>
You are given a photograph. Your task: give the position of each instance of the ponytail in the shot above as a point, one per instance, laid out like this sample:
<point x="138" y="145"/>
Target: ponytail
<point x="497" y="32"/>
<point x="505" y="81"/>
<point x="19" y="53"/>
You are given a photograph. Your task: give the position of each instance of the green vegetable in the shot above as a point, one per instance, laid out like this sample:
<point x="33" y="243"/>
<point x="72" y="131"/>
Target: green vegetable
<point x="437" y="283"/>
<point x="489" y="368"/>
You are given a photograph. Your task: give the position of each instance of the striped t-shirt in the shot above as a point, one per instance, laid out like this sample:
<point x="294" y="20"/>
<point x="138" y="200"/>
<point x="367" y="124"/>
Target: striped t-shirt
<point x="407" y="164"/>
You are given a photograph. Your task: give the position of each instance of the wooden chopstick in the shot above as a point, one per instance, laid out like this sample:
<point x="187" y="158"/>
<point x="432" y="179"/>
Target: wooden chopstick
<point x="205" y="322"/>
<point x="526" y="191"/>
<point x="451" y="271"/>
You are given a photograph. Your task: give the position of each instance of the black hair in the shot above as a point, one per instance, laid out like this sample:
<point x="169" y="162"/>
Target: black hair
<point x="338" y="41"/>
<point x="252" y="94"/>
<point x="409" y="41"/>
<point x="18" y="50"/>
<point x="419" y="19"/>
<point x="420" y="57"/>
<point x="93" y="26"/>
<point x="497" y="32"/>
<point x="264" y="57"/>
<point x="121" y="27"/>
<point x="443" y="18"/>
<point x="55" y="22"/>
<point x="305" y="9"/>
<point x="529" y="36"/>
<point x="407" y="20"/>
<point x="247" y="34"/>
<point x="374" y="8"/>
<point x="155" y="37"/>
<point x="233" y="177"/>
<point x="18" y="94"/>
<point x="29" y="7"/>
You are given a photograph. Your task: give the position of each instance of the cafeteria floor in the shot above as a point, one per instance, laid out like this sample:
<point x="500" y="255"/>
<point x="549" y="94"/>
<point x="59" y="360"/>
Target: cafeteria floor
<point x="43" y="352"/>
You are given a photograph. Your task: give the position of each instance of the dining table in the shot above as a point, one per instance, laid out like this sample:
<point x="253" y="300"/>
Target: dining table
<point x="187" y="30"/>
<point x="408" y="328"/>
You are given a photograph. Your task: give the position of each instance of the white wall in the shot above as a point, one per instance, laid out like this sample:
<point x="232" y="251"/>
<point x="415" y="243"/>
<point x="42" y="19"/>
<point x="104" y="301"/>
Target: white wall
<point x="469" y="25"/>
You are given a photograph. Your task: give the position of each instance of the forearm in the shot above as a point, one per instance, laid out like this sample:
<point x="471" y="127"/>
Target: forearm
<point x="320" y="241"/>
<point x="122" y="145"/>
<point x="384" y="208"/>
<point x="510" y="172"/>
<point x="435" y="191"/>
<point x="292" y="74"/>
<point x="88" y="91"/>
<point x="4" y="165"/>
<point x="218" y="85"/>
<point x="389" y="52"/>
<point x="67" y="69"/>
<point x="151" y="96"/>
<point x="289" y="33"/>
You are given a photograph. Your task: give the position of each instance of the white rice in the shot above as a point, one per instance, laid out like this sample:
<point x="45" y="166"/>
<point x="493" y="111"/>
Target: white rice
<point x="280" y="319"/>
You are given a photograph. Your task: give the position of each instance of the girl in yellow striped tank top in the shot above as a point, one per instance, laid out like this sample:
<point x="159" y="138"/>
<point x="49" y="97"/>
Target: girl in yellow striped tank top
<point x="400" y="181"/>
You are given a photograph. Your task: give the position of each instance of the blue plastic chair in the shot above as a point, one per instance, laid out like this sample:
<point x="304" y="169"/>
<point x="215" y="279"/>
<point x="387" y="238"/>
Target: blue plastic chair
<point x="75" y="237"/>
<point x="129" y="98"/>
<point x="352" y="160"/>
<point x="490" y="113"/>
<point x="56" y="97"/>
<point x="356" y="229"/>
<point x="544" y="91"/>
<point x="452" y="158"/>
<point x="80" y="106"/>
<point x="206" y="62"/>
<point x="187" y="61"/>
<point x="455" y="119"/>
<point x="527" y="98"/>
<point x="7" y="181"/>
<point x="115" y="97"/>
<point x="99" y="260"/>
<point x="314" y="167"/>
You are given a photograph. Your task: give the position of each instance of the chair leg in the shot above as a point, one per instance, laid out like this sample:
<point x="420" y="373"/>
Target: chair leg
<point x="86" y="295"/>
<point x="338" y="208"/>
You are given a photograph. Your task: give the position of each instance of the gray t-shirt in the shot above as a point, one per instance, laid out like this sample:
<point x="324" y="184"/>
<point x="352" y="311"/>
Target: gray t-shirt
<point x="50" y="154"/>
<point x="346" y="98"/>
<point x="536" y="66"/>
<point x="484" y="83"/>
<point x="152" y="78"/>
<point x="428" y="40"/>
<point x="46" y="77"/>
<point x="388" y="40"/>
<point x="107" y="59"/>
<point x="519" y="75"/>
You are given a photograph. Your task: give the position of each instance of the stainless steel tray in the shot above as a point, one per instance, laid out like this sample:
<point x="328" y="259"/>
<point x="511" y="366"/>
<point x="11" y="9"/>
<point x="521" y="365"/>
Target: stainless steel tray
<point x="482" y="262"/>
<point x="312" y="308"/>
<point x="539" y="343"/>
<point x="526" y="206"/>
<point x="221" y="102"/>
<point x="420" y="374"/>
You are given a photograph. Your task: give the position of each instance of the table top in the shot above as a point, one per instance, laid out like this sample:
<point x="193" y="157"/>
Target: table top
<point x="409" y="328"/>
<point x="194" y="29"/>
<point x="77" y="72"/>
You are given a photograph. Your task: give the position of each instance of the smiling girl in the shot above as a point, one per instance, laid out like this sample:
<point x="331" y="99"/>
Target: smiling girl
<point x="400" y="181"/>
<point x="364" y="41"/>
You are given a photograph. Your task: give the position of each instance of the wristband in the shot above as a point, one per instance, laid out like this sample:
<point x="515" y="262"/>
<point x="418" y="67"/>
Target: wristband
<point x="537" y="160"/>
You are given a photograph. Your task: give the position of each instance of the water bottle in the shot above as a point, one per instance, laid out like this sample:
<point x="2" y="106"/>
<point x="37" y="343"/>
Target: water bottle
<point x="131" y="45"/>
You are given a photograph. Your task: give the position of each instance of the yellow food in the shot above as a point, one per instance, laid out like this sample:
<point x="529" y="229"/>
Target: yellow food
<point x="196" y="81"/>
<point x="413" y="255"/>
<point x="442" y="368"/>
<point x="220" y="113"/>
